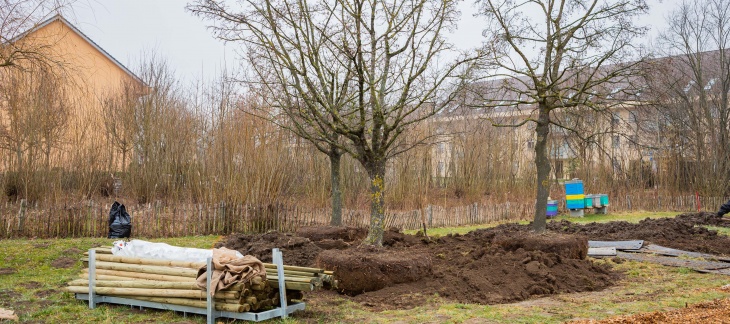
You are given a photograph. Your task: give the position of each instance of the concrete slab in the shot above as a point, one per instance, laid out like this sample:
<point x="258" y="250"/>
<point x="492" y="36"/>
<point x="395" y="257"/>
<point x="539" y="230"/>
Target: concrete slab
<point x="619" y="245"/>
<point x="601" y="251"/>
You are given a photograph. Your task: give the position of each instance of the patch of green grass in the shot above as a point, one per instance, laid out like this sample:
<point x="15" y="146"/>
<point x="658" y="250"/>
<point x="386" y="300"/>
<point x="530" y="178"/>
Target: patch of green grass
<point x="35" y="290"/>
<point x="720" y="230"/>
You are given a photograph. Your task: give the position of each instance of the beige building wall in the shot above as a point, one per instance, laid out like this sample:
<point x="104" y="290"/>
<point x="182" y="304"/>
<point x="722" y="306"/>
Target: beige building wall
<point x="89" y="75"/>
<point x="620" y="145"/>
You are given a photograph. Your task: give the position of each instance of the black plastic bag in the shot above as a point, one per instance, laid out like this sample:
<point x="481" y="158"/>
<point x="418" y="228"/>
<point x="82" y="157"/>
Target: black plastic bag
<point x="120" y="223"/>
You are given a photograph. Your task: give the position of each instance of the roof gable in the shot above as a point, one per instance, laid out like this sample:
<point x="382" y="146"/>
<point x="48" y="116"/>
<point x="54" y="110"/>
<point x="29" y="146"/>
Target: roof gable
<point x="83" y="36"/>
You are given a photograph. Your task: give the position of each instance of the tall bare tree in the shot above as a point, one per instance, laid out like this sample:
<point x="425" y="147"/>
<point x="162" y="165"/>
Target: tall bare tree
<point x="556" y="55"/>
<point x="350" y="75"/>
<point x="118" y="110"/>
<point x="690" y="89"/>
<point x="35" y="112"/>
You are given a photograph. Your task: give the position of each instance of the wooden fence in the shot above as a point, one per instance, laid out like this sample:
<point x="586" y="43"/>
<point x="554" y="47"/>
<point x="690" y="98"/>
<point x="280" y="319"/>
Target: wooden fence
<point x="155" y="220"/>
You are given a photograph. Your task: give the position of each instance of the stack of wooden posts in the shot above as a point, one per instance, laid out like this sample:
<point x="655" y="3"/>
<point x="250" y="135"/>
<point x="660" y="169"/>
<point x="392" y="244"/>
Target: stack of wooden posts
<point x="174" y="282"/>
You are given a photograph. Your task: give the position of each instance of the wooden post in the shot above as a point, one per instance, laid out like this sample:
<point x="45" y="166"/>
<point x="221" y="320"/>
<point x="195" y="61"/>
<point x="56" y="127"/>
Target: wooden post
<point x="209" y="297"/>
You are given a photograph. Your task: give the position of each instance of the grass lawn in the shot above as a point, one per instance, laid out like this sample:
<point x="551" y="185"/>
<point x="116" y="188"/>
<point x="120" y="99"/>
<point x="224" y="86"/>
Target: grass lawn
<point x="34" y="291"/>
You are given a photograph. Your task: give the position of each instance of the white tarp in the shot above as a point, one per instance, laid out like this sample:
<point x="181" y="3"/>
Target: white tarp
<point x="150" y="250"/>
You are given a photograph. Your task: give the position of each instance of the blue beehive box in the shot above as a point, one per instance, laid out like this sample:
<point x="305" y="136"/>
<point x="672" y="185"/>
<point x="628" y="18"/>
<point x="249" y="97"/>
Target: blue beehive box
<point x="574" y="187"/>
<point x="574" y="197"/>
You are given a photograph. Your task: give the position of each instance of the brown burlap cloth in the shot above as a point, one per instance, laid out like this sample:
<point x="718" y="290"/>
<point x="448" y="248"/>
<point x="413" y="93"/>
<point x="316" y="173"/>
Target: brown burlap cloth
<point x="229" y="269"/>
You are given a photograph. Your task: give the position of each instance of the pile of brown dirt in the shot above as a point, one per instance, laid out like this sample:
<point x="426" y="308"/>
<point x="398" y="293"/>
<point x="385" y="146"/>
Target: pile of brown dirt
<point x="473" y="269"/>
<point x="506" y="263"/>
<point x="497" y="265"/>
<point x="369" y="269"/>
<point x="298" y="251"/>
<point x="566" y="246"/>
<point x="345" y="233"/>
<point x="333" y="237"/>
<point x="681" y="232"/>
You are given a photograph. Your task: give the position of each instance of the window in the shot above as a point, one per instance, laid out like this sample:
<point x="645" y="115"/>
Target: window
<point x="616" y="141"/>
<point x="530" y="144"/>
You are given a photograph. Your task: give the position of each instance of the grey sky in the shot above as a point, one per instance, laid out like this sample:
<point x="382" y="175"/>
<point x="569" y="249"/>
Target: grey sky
<point x="126" y="28"/>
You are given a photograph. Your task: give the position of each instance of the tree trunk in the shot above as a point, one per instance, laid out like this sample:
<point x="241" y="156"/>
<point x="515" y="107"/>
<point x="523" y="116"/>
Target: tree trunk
<point x="542" y="164"/>
<point x="376" y="172"/>
<point x="335" y="157"/>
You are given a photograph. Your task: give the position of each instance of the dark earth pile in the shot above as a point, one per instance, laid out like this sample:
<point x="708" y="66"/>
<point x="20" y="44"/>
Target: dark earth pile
<point x="503" y="264"/>
<point x="486" y="267"/>
<point x="682" y="232"/>
<point x="299" y="251"/>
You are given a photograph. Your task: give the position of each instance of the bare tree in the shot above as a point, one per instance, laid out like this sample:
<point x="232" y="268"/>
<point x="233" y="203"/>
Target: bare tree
<point x="690" y="88"/>
<point x="18" y="17"/>
<point x="556" y="55"/>
<point x="350" y="75"/>
<point x="35" y="109"/>
<point x="118" y="110"/>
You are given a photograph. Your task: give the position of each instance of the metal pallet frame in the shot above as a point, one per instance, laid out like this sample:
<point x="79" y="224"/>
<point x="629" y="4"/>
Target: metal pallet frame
<point x="282" y="311"/>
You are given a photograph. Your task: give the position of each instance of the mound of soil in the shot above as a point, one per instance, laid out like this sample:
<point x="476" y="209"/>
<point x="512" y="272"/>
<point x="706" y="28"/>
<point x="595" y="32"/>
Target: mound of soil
<point x="296" y="250"/>
<point x="474" y="269"/>
<point x="346" y="233"/>
<point x="333" y="237"/>
<point x="369" y="269"/>
<point x="7" y="271"/>
<point x="681" y="232"/>
<point x="566" y="246"/>
<point x="393" y="238"/>
<point x="504" y="264"/>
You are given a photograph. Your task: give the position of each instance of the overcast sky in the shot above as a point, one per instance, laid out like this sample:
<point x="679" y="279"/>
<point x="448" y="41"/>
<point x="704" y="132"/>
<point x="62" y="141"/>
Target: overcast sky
<point x="126" y="28"/>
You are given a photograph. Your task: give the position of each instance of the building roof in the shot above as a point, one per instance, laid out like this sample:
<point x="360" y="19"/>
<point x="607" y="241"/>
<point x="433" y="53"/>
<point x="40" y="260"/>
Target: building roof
<point x="498" y="97"/>
<point x="63" y="20"/>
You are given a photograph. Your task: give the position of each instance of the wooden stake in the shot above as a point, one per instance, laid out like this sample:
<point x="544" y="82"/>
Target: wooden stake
<point x="176" y="293"/>
<point x="85" y="275"/>
<point x="148" y="276"/>
<point x="148" y="261"/>
<point x="237" y="308"/>
<point x="149" y="284"/>
<point x="170" y="271"/>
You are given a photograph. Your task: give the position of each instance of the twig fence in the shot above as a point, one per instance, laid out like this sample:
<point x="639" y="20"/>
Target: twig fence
<point x="155" y="220"/>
